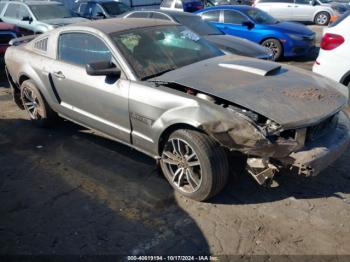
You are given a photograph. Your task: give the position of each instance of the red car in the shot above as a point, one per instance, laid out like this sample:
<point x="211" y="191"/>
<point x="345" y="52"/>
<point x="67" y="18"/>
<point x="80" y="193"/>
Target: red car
<point x="7" y="32"/>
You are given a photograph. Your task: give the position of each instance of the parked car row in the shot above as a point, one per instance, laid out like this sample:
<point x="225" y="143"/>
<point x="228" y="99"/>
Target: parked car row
<point x="161" y="88"/>
<point x="321" y="12"/>
<point x="227" y="43"/>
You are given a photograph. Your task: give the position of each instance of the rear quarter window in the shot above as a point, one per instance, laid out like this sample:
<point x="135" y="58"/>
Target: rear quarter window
<point x="211" y="16"/>
<point x="2" y="5"/>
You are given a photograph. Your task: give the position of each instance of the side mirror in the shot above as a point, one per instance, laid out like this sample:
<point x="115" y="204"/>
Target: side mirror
<point x="103" y="68"/>
<point x="250" y="25"/>
<point x="27" y="18"/>
<point x="312" y="2"/>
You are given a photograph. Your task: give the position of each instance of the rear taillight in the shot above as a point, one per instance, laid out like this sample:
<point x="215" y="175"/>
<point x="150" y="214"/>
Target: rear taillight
<point x="331" y="41"/>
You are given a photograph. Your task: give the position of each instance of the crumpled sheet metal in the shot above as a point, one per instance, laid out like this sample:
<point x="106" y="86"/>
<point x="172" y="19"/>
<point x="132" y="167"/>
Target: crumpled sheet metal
<point x="244" y="137"/>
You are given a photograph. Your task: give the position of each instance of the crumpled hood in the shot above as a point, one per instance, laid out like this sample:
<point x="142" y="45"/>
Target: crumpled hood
<point x="239" y="46"/>
<point x="292" y="97"/>
<point x="64" y="21"/>
<point x="292" y="28"/>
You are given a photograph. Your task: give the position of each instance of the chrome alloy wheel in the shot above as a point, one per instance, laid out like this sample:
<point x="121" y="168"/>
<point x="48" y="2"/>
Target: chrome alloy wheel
<point x="272" y="46"/>
<point x="182" y="165"/>
<point x="322" y="19"/>
<point x="31" y="103"/>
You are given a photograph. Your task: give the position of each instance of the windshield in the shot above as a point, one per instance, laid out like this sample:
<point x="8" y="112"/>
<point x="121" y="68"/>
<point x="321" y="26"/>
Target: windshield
<point x="156" y="50"/>
<point x="115" y="8"/>
<point x="325" y="1"/>
<point x="259" y="16"/>
<point x="196" y="24"/>
<point x="44" y="12"/>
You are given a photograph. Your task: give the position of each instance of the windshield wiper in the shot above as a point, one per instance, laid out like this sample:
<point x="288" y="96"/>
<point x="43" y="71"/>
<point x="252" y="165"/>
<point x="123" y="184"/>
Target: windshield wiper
<point x="158" y="74"/>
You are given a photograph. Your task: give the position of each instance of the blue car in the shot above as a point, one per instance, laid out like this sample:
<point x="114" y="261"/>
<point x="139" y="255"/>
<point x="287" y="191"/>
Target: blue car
<point x="285" y="39"/>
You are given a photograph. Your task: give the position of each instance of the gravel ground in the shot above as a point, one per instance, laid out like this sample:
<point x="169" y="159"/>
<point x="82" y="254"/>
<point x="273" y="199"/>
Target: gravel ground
<point x="69" y="191"/>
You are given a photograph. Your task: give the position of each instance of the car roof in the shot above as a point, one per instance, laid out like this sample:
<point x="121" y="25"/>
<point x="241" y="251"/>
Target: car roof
<point x="173" y="13"/>
<point x="114" y="25"/>
<point x="232" y="7"/>
<point x="34" y="2"/>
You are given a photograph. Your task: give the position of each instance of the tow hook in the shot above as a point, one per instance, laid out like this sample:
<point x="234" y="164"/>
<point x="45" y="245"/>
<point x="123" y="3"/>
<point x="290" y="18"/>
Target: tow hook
<point x="262" y="171"/>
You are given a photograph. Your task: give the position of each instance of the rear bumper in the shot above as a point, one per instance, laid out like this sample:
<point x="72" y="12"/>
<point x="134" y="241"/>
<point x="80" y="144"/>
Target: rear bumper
<point x="318" y="155"/>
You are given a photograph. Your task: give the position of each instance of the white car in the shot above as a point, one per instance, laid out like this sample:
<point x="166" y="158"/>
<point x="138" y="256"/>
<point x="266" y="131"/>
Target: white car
<point x="321" y="12"/>
<point x="334" y="58"/>
<point x="37" y="16"/>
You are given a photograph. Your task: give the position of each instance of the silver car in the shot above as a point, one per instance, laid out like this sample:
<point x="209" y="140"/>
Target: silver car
<point x="37" y="16"/>
<point x="321" y="12"/>
<point x="163" y="90"/>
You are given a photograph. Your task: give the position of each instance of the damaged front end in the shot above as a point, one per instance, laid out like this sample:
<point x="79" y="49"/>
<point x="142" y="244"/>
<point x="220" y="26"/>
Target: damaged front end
<point x="269" y="148"/>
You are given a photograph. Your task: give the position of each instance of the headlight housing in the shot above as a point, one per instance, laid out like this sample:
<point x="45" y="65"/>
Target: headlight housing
<point x="295" y="37"/>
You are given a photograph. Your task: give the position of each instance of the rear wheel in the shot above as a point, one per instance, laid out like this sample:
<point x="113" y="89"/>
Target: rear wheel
<point x="275" y="46"/>
<point x="322" y="18"/>
<point x="37" y="108"/>
<point x="194" y="164"/>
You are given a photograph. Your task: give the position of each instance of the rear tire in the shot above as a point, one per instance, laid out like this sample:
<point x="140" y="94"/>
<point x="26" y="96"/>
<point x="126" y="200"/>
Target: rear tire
<point x="322" y="18"/>
<point x="275" y="46"/>
<point x="36" y="106"/>
<point x="194" y="164"/>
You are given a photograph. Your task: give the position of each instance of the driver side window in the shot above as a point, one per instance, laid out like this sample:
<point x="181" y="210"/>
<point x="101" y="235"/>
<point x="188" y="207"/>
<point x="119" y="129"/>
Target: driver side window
<point x="96" y="11"/>
<point x="302" y="2"/>
<point x="81" y="49"/>
<point x="233" y="17"/>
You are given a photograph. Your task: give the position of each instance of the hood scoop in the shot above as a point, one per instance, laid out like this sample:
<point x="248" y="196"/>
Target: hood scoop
<point x="253" y="67"/>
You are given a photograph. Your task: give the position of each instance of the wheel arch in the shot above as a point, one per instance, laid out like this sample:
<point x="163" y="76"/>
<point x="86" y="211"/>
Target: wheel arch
<point x="345" y="80"/>
<point x="276" y="38"/>
<point x="322" y="11"/>
<point x="172" y="128"/>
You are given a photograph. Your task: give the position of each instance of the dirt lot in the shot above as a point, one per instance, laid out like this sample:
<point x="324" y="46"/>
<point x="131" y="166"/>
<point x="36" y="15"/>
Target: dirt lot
<point x="69" y="191"/>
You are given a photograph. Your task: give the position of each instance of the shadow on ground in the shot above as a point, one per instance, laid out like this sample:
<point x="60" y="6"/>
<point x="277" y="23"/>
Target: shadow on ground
<point x="68" y="191"/>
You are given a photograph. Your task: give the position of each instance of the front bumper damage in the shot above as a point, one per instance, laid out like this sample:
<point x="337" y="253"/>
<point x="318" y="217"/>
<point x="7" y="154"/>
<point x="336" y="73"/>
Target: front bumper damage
<point x="265" y="158"/>
<point x="318" y="155"/>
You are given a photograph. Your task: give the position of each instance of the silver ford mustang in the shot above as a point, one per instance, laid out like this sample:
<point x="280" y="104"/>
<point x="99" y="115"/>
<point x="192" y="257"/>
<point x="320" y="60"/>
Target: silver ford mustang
<point x="161" y="89"/>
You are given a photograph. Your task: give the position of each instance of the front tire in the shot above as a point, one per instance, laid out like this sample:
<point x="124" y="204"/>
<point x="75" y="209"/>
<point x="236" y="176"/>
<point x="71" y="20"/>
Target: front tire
<point x="36" y="106"/>
<point x="194" y="164"/>
<point x="275" y="46"/>
<point x="322" y="18"/>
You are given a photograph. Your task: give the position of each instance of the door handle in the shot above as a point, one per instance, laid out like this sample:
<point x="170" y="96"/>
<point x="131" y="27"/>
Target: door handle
<point x="289" y="6"/>
<point x="59" y="74"/>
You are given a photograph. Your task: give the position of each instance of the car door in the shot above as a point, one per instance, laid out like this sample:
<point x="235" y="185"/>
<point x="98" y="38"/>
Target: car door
<point x="303" y="10"/>
<point x="280" y="9"/>
<point x="98" y="102"/>
<point x="233" y="24"/>
<point x="18" y="14"/>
